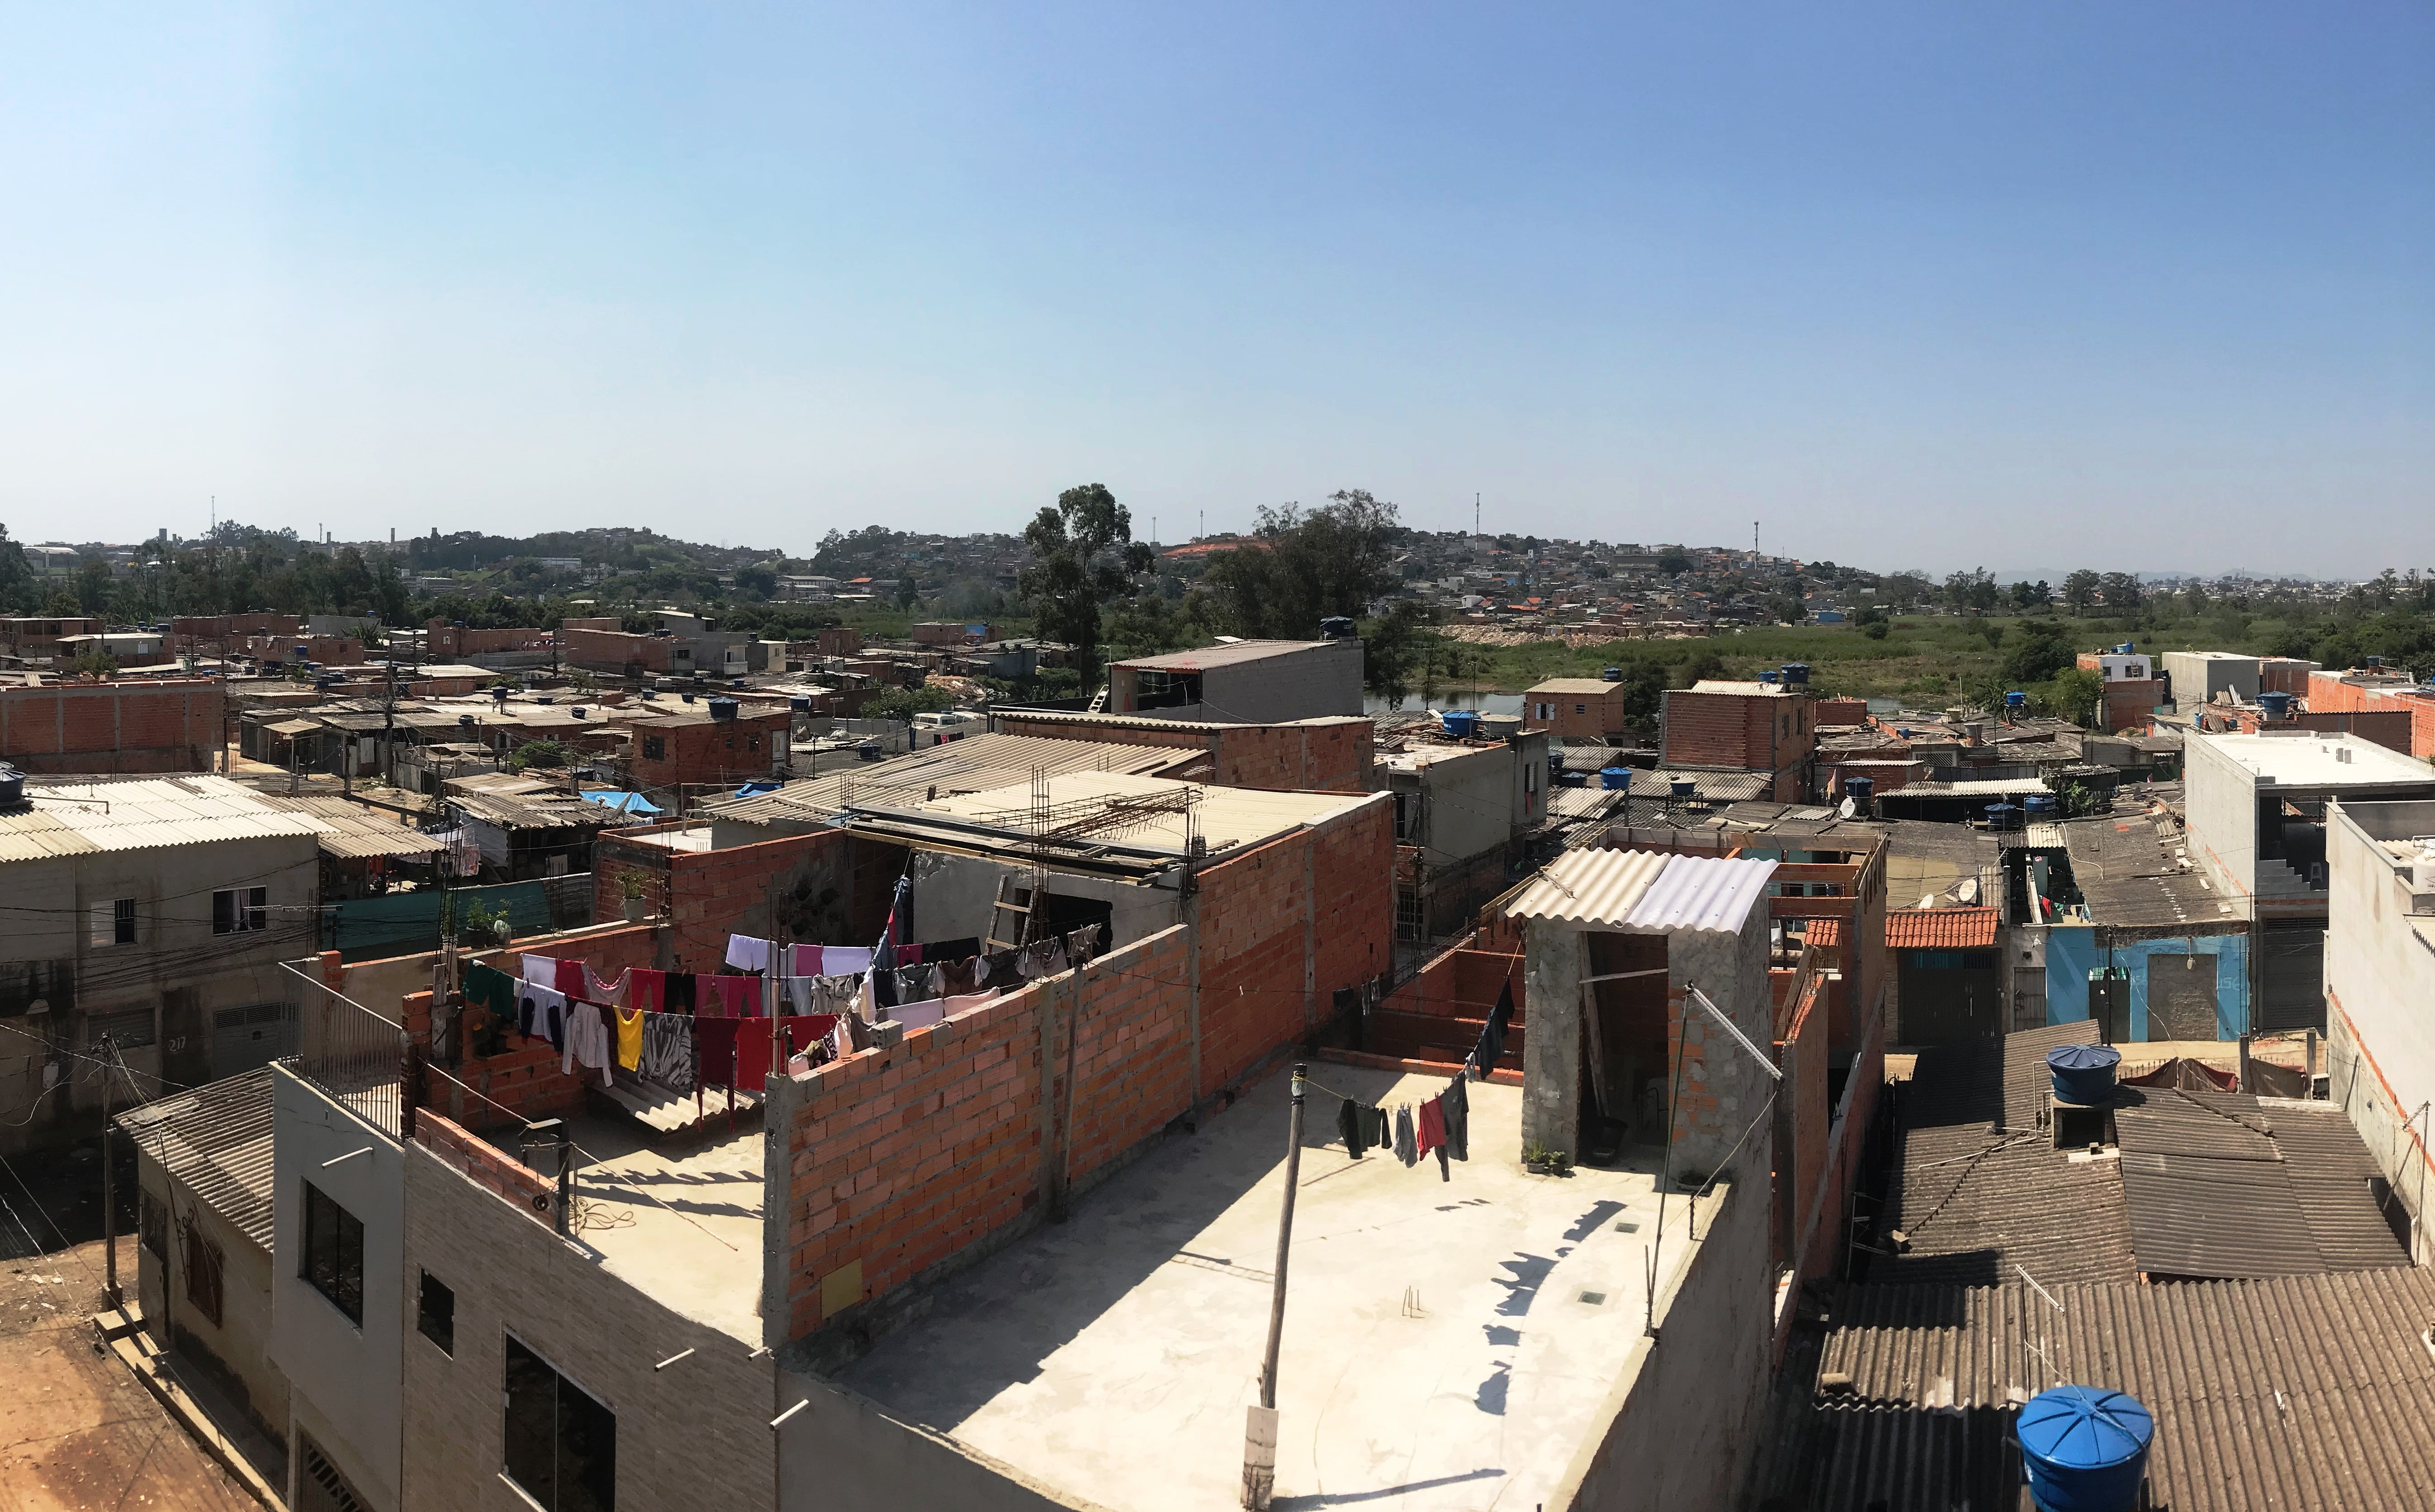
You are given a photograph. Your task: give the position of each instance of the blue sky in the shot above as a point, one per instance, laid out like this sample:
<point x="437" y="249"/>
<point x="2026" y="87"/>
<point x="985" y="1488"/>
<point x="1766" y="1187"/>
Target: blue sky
<point x="2144" y="287"/>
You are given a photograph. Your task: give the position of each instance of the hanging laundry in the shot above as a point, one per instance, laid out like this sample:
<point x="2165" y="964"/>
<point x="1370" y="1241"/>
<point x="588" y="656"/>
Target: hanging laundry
<point x="682" y="989"/>
<point x="1456" y="1101"/>
<point x="667" y="1052"/>
<point x="543" y="1015"/>
<point x="836" y="994"/>
<point x="752" y="1048"/>
<point x="952" y="950"/>
<point x="589" y="1043"/>
<point x="803" y="960"/>
<point x="570" y="979"/>
<point x="601" y="990"/>
<point x="844" y="960"/>
<point x="918" y="1015"/>
<point x="629" y="1038"/>
<point x="1382" y="1128"/>
<point x="743" y="996"/>
<point x="803" y="1031"/>
<point x="1491" y="1033"/>
<point x="1406" y="1140"/>
<point x="1350" y="1126"/>
<point x="714" y="1043"/>
<point x="960" y="978"/>
<point x="1005" y="971"/>
<point x="880" y="983"/>
<point x="1082" y="945"/>
<point x="487" y="986"/>
<point x="799" y="993"/>
<point x="967" y="1002"/>
<point x="908" y="955"/>
<point x="746" y="954"/>
<point x="541" y="971"/>
<point x="915" y="983"/>
<point x="1433" y="1136"/>
<point x="647" y="989"/>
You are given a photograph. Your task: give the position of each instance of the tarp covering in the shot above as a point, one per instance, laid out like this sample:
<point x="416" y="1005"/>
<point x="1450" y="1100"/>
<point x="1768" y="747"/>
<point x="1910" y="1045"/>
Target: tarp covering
<point x="622" y="802"/>
<point x="369" y="929"/>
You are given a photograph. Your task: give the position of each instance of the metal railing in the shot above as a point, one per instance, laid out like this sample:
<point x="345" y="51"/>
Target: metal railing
<point x="351" y="1054"/>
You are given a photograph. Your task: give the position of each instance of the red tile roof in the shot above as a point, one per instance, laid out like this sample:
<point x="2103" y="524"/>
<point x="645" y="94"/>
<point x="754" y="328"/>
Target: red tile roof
<point x="1941" y="929"/>
<point x="1826" y="933"/>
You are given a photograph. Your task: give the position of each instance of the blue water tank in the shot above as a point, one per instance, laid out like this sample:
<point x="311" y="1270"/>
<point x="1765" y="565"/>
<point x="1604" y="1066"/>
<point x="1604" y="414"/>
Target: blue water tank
<point x="2275" y="705"/>
<point x="2003" y="817"/>
<point x="2016" y="700"/>
<point x="2083" y="1075"/>
<point x="800" y="704"/>
<point x="12" y="786"/>
<point x="1462" y="724"/>
<point x="1796" y="673"/>
<point x="869" y="750"/>
<point x="1771" y="675"/>
<point x="1686" y="789"/>
<point x="1610" y="673"/>
<point x="1860" y="789"/>
<point x="1615" y="779"/>
<point x="2039" y="807"/>
<point x="2085" y="1449"/>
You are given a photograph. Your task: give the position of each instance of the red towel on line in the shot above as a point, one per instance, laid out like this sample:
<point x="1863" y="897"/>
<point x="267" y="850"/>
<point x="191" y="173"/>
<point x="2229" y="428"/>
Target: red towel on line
<point x="753" y="1053"/>
<point x="1432" y="1125"/>
<point x="645" y="989"/>
<point x="570" y="980"/>
<point x="714" y="1044"/>
<point x="741" y="994"/>
<point x="804" y="1030"/>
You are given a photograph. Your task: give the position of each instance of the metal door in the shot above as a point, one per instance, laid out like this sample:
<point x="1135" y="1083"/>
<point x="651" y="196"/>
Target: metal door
<point x="244" y="1040"/>
<point x="2292" y="994"/>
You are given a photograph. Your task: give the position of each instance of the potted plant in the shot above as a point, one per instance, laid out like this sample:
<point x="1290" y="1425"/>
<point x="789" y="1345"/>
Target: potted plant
<point x="1540" y="1160"/>
<point x="631" y="883"/>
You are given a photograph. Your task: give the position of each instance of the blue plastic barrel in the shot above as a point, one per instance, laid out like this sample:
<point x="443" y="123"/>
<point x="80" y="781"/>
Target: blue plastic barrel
<point x="2039" y="806"/>
<point x="2275" y="705"/>
<point x="1686" y="790"/>
<point x="1460" y="723"/>
<point x="2085" y="1449"/>
<point x="2016" y="700"/>
<point x="1615" y="779"/>
<point x="2083" y="1075"/>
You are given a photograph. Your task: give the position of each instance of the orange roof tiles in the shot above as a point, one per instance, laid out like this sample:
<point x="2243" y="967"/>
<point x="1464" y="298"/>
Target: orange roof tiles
<point x="1941" y="929"/>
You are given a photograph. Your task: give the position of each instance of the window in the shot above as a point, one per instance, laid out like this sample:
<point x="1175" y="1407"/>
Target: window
<point x="320" y="1485"/>
<point x="113" y="923"/>
<point x="656" y="749"/>
<point x="561" y="1446"/>
<point x="240" y="910"/>
<point x="333" y="1253"/>
<point x="202" y="1272"/>
<point x="1581" y="708"/>
<point x="435" y="1315"/>
<point x="153" y="1225"/>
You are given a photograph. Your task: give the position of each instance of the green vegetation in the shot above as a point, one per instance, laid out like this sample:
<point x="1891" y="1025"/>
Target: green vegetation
<point x="541" y="753"/>
<point x="904" y="703"/>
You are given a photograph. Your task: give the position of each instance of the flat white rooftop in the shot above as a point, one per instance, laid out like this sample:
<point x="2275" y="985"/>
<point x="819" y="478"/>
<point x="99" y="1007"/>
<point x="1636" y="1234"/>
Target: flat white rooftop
<point x="677" y="1215"/>
<point x="2314" y="760"/>
<point x="1448" y="1344"/>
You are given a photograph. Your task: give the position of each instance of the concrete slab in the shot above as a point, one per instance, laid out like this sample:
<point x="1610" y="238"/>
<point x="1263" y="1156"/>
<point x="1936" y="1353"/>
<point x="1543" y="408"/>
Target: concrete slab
<point x="679" y="1215"/>
<point x="1447" y="1344"/>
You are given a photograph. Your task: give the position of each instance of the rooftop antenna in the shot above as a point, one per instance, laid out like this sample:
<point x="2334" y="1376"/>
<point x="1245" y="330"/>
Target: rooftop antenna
<point x="1475" y="512"/>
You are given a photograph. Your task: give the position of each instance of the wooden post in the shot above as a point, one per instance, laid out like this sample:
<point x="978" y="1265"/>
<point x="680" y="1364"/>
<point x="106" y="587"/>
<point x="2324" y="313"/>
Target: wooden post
<point x="1260" y="1431"/>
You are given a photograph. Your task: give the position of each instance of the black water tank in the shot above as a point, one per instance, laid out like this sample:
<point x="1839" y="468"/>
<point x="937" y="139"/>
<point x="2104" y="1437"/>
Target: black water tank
<point x="12" y="787"/>
<point x="722" y="708"/>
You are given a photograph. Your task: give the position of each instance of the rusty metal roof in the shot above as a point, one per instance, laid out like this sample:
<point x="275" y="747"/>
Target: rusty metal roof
<point x="2296" y="1392"/>
<point x="217" y="1142"/>
<point x="1941" y="929"/>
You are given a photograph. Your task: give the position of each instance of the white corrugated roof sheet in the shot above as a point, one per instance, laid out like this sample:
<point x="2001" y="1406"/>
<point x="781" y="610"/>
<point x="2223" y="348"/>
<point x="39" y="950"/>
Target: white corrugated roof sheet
<point x="1703" y="892"/>
<point x="140" y="813"/>
<point x="1595" y="888"/>
<point x="1644" y="891"/>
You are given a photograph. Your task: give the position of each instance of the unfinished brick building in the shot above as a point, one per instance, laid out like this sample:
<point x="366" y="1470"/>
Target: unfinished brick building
<point x="1744" y="726"/>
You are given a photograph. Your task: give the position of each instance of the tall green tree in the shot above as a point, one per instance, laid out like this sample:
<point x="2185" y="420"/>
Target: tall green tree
<point x="2080" y="589"/>
<point x="1305" y="566"/>
<point x="1083" y="556"/>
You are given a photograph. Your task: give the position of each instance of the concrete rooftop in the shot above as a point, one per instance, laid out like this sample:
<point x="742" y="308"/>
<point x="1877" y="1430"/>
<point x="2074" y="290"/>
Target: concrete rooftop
<point x="2315" y="760"/>
<point x="1438" y="1349"/>
<point x="676" y="1215"/>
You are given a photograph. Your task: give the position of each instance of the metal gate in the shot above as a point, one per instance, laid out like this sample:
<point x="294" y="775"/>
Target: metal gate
<point x="245" y="1040"/>
<point x="2292" y="994"/>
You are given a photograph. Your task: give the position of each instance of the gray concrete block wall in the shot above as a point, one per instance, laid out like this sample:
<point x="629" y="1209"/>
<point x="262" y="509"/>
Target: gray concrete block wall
<point x="696" y="1434"/>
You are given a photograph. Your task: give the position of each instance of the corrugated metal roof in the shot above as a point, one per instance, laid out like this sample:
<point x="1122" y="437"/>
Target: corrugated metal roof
<point x="1941" y="929"/>
<point x="1226" y="818"/>
<point x="1703" y="892"/>
<point x="141" y="814"/>
<point x="1578" y="685"/>
<point x="1593" y="888"/>
<point x="2331" y="1172"/>
<point x="352" y="831"/>
<point x="215" y="1140"/>
<point x="974" y="764"/>
<point x="2296" y="1392"/>
<point x="1984" y="788"/>
<point x="1222" y="656"/>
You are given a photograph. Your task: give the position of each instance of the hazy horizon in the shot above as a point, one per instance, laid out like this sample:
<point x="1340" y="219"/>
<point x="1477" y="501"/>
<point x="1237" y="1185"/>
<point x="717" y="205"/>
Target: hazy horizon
<point x="1910" y="287"/>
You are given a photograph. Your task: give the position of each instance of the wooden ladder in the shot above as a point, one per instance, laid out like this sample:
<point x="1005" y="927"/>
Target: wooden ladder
<point x="999" y="937"/>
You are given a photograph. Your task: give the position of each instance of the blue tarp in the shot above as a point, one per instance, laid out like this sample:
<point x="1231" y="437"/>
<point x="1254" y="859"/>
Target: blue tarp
<point x="622" y="802"/>
<point x="2073" y="950"/>
<point x="756" y="790"/>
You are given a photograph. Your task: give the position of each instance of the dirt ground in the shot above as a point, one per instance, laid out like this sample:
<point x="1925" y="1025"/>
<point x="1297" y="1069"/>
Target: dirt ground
<point x="77" y="1432"/>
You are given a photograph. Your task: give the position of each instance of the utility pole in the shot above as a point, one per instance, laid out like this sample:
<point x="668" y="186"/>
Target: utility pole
<point x="1475" y="513"/>
<point x="1260" y="1428"/>
<point x="108" y="1185"/>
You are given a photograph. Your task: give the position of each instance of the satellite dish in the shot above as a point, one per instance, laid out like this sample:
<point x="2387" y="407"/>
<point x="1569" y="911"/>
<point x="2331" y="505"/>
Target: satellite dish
<point x="1848" y="808"/>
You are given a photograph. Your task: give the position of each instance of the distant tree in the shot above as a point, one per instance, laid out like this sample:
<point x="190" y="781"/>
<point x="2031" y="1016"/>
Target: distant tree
<point x="540" y="754"/>
<point x="93" y="587"/>
<point x="1876" y="629"/>
<point x="2080" y="589"/>
<point x="1393" y="650"/>
<point x="908" y="593"/>
<point x="2031" y="595"/>
<point x="1971" y="591"/>
<point x="904" y="703"/>
<point x="2039" y="652"/>
<point x="2074" y="695"/>
<point x="1673" y="561"/>
<point x="1083" y="556"/>
<point x="1702" y="667"/>
<point x="62" y="604"/>
<point x="760" y="581"/>
<point x="2122" y="591"/>
<point x="1903" y="589"/>
<point x="1307" y="566"/>
<point x="16" y="576"/>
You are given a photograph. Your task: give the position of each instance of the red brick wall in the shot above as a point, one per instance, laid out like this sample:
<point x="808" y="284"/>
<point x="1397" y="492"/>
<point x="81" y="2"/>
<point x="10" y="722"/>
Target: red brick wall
<point x="154" y="725"/>
<point x="447" y="640"/>
<point x="615" y="650"/>
<point x="713" y="751"/>
<point x="1741" y="730"/>
<point x="828" y="887"/>
<point x="1437" y="1014"/>
<point x="2131" y="703"/>
<point x="2284" y="674"/>
<point x="524" y="1188"/>
<point x="1801" y="1146"/>
<point x="1600" y="715"/>
<point x="1842" y="711"/>
<point x="1252" y="914"/>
